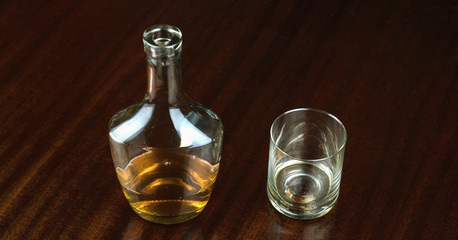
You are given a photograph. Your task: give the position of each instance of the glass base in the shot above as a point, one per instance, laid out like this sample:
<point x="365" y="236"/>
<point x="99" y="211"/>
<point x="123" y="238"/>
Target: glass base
<point x="302" y="214"/>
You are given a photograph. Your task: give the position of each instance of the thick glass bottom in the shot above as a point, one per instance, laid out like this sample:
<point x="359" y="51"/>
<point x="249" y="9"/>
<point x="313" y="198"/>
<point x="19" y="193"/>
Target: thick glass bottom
<point x="301" y="213"/>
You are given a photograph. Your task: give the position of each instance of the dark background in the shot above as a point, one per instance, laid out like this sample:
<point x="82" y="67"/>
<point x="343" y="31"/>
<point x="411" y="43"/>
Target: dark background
<point x="387" y="69"/>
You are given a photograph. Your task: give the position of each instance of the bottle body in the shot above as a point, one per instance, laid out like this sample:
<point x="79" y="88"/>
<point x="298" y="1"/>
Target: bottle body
<point x="166" y="149"/>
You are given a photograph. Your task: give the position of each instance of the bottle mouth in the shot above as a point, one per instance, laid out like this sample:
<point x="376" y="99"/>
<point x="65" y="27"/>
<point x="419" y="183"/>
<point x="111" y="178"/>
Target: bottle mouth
<point x="162" y="40"/>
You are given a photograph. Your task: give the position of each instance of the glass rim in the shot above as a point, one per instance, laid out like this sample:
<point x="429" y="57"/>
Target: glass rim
<point x="310" y="110"/>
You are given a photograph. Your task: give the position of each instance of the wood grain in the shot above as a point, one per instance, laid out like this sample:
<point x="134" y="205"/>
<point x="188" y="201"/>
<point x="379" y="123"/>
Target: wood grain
<point x="387" y="69"/>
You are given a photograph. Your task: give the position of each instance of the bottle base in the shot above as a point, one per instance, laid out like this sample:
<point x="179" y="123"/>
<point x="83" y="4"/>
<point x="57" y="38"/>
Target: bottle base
<point x="167" y="220"/>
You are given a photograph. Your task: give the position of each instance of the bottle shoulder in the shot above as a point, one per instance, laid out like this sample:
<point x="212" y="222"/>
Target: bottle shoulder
<point x="127" y="114"/>
<point x="206" y="113"/>
<point x="130" y="121"/>
<point x="184" y="125"/>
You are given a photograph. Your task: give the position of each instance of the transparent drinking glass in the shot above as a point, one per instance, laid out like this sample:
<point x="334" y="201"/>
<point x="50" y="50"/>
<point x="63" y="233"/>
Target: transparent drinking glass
<point x="305" y="162"/>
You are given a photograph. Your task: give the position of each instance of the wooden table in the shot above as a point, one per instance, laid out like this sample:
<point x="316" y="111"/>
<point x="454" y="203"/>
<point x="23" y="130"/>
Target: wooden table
<point x="387" y="69"/>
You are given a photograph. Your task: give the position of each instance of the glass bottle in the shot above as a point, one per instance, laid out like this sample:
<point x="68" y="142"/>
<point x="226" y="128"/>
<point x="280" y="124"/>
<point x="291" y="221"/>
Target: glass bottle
<point x="166" y="149"/>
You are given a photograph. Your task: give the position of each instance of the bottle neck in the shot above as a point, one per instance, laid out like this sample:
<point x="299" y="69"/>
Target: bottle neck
<point x="164" y="80"/>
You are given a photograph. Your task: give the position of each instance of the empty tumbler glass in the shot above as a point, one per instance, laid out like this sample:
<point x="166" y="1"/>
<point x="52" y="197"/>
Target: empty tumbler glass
<point x="305" y="162"/>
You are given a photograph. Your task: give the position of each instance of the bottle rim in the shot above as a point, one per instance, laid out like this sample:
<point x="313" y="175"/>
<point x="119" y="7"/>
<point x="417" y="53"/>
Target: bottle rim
<point x="162" y="40"/>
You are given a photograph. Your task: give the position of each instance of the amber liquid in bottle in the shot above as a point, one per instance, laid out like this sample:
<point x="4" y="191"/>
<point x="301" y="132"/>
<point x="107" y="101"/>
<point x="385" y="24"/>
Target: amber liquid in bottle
<point x="167" y="185"/>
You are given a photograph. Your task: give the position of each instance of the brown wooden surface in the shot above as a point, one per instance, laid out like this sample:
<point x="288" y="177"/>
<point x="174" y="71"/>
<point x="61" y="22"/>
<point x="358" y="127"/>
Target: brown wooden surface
<point x="387" y="69"/>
